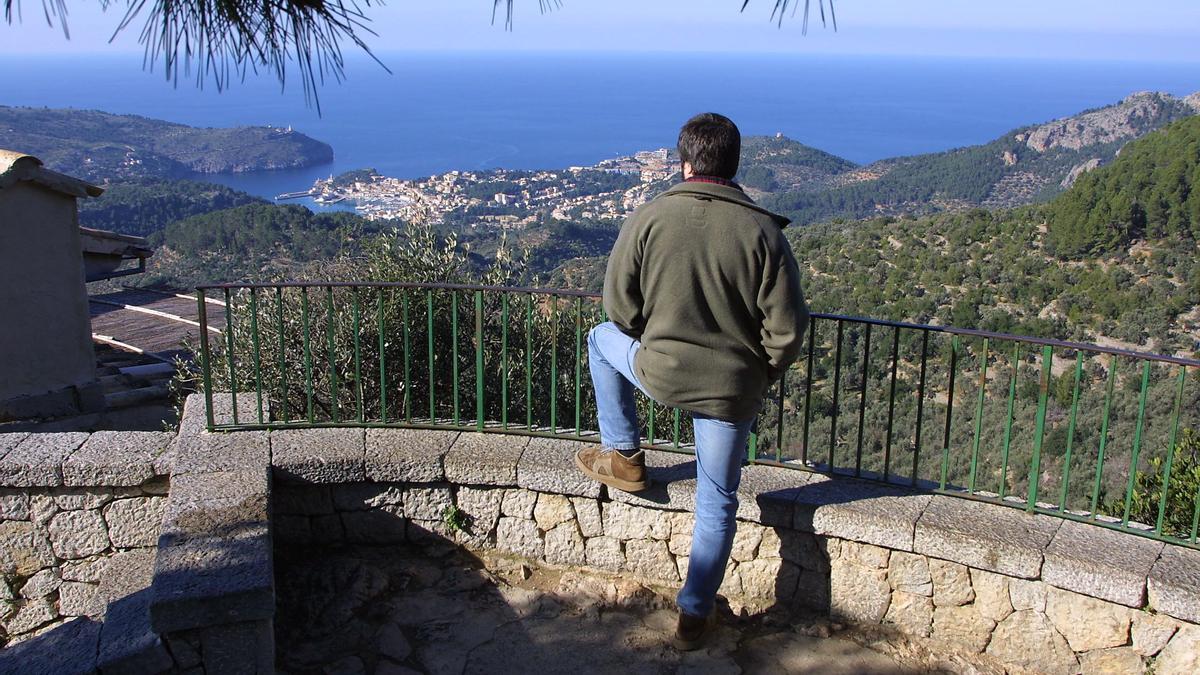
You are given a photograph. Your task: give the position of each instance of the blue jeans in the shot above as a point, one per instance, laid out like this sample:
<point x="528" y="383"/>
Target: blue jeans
<point x="720" y="449"/>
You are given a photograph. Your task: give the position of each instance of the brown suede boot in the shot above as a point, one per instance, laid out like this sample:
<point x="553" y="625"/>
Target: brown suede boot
<point x="612" y="468"/>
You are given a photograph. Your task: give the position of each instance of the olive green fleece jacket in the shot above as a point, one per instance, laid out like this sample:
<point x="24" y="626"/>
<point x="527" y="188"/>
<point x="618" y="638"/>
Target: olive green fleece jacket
<point x="706" y="280"/>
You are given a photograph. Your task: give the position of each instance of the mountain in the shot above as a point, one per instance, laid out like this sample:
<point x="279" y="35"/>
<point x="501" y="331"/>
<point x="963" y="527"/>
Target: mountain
<point x="100" y="146"/>
<point x="142" y="206"/>
<point x="1026" y="165"/>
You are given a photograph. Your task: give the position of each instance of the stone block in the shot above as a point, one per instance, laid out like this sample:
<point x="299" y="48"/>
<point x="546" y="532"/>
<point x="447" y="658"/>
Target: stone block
<point x="650" y="559"/>
<point x="76" y="598"/>
<point x="319" y="455"/>
<point x="1151" y="632"/>
<point x="767" y="494"/>
<point x="865" y="554"/>
<point x="1181" y="656"/>
<point x="623" y="521"/>
<point x="1026" y="594"/>
<point x="128" y="645"/>
<point x="963" y="627"/>
<point x="205" y="452"/>
<point x="289" y="529"/>
<point x="565" y="546"/>
<point x="985" y="536"/>
<point x="14" y="504"/>
<point x="23" y="549"/>
<point x="1100" y="562"/>
<point x="771" y="578"/>
<point x="951" y="583"/>
<point x="1028" y="639"/>
<point x="746" y="539"/>
<point x="548" y="465"/>
<point x="75" y="499"/>
<point x="407" y="455"/>
<point x="587" y="514"/>
<point x="909" y="572"/>
<point x="482" y="506"/>
<point x="78" y="534"/>
<point x="329" y="529"/>
<point x="484" y="459"/>
<point x="1174" y="583"/>
<point x="241" y="648"/>
<point x="217" y="504"/>
<point x="37" y="460"/>
<point x="210" y="581"/>
<point x="604" y="553"/>
<point x="672" y="483"/>
<point x="860" y="594"/>
<point x="116" y="458"/>
<point x="552" y="509"/>
<point x="1088" y="623"/>
<point x="69" y="649"/>
<point x="518" y="503"/>
<point x="427" y="503"/>
<point x="383" y="525"/>
<point x="519" y="536"/>
<point x="855" y="510"/>
<point x="362" y="496"/>
<point x="89" y="570"/>
<point x="307" y="500"/>
<point x="192" y="420"/>
<point x="127" y="573"/>
<point x="134" y="522"/>
<point x="1115" y="660"/>
<point x="911" y="613"/>
<point x="41" y="584"/>
<point x="991" y="594"/>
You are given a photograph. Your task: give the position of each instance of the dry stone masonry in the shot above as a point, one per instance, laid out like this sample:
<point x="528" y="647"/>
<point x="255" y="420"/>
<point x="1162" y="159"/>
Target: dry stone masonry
<point x="1001" y="590"/>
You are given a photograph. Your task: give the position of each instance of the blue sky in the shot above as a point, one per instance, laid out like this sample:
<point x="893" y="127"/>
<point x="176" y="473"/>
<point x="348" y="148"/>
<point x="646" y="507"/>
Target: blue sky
<point x="1162" y="30"/>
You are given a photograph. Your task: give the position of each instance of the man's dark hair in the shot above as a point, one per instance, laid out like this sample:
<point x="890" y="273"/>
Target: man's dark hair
<point x="712" y="144"/>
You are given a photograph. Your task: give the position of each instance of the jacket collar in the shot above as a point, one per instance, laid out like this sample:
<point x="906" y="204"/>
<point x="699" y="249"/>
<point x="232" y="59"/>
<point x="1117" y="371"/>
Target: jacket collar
<point x="724" y="193"/>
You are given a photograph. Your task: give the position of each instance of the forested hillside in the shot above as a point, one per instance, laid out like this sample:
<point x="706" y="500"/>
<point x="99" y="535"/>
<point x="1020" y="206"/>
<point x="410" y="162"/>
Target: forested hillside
<point x="144" y="206"/>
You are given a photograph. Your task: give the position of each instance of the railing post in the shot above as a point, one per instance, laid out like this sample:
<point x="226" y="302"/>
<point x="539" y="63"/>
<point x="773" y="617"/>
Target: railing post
<point x="479" y="360"/>
<point x="229" y="355"/>
<point x="205" y="358"/>
<point x="954" y="345"/>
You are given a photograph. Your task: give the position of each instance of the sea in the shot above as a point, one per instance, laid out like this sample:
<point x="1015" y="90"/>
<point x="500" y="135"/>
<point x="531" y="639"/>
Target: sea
<point x="422" y="113"/>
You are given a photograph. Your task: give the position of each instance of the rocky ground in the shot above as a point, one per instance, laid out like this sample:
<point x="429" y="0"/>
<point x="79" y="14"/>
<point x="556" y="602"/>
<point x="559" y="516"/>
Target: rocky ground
<point x="443" y="610"/>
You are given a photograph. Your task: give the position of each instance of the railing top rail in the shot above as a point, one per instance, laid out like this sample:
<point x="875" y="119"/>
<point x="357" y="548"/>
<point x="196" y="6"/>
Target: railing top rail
<point x="564" y="292"/>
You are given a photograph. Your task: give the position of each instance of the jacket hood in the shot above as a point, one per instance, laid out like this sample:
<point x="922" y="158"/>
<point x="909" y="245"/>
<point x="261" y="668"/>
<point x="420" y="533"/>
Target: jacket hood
<point x="724" y="193"/>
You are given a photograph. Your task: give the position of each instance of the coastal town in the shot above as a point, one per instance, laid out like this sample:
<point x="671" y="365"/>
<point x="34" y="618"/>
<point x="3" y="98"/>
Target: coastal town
<point x="504" y="198"/>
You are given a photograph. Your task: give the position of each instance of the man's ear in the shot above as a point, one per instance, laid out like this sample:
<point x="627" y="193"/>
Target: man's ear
<point x="687" y="170"/>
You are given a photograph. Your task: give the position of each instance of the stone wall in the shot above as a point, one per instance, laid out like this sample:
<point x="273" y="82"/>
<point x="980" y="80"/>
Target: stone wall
<point x="79" y="517"/>
<point x="999" y="589"/>
<point x="1002" y="590"/>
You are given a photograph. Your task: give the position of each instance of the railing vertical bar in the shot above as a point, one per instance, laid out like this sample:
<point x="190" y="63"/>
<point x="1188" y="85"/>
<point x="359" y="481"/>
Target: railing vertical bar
<point x="358" y="386"/>
<point x="916" y="465"/>
<point x="479" y="361"/>
<point x="283" y="385"/>
<point x="408" y="382"/>
<point x="454" y="354"/>
<point x="862" y="401"/>
<point x="429" y="353"/>
<point x="333" y="376"/>
<point x="578" y="366"/>
<point x="205" y="358"/>
<point x="779" y="421"/>
<point x="1137" y="442"/>
<point x="233" y="383"/>
<point x="751" y="444"/>
<point x="529" y="362"/>
<point x="258" y="388"/>
<point x="675" y="430"/>
<point x="808" y="380"/>
<point x="308" y="370"/>
<point x="954" y="347"/>
<point x="1166" y="481"/>
<point x="983" y="366"/>
<point x="1112" y="374"/>
<point x="1039" y="433"/>
<point x="553" y="364"/>
<point x="891" y="417"/>
<point x="504" y="359"/>
<point x="653" y="418"/>
<point x="837" y="382"/>
<point x="381" y="321"/>
<point x="1002" y="490"/>
<point x="1064" y="495"/>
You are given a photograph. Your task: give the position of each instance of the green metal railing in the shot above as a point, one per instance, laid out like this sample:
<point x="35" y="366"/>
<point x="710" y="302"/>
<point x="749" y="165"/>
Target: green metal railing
<point x="1085" y="432"/>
